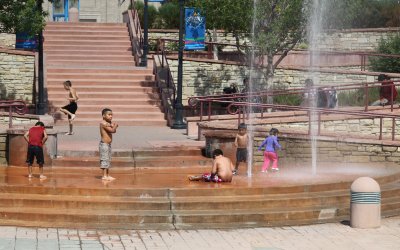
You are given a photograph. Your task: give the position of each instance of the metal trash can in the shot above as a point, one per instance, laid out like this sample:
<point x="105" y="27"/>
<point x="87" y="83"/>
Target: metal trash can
<point x="365" y="206"/>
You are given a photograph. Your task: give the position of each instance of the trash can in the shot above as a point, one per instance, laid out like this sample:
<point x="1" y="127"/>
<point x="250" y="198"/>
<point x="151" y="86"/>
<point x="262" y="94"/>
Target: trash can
<point x="365" y="205"/>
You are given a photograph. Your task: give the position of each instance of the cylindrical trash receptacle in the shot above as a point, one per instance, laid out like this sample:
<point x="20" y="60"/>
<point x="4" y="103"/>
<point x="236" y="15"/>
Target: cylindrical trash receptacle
<point x="365" y="203"/>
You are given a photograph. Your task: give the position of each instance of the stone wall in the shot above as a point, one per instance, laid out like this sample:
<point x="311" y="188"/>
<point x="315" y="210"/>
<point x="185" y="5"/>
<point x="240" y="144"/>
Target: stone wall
<point x="17" y="74"/>
<point x="207" y="77"/>
<point x="24" y="120"/>
<point x="3" y="139"/>
<point x="368" y="127"/>
<point x="354" y="39"/>
<point x="7" y="40"/>
<point x="297" y="149"/>
<point x="222" y="37"/>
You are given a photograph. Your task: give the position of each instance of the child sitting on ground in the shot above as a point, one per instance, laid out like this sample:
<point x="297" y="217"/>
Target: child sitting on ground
<point x="221" y="170"/>
<point x="270" y="143"/>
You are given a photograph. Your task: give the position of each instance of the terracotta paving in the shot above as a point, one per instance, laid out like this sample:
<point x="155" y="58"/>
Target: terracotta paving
<point x="289" y="175"/>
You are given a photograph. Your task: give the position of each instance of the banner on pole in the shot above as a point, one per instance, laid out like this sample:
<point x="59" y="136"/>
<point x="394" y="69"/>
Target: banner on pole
<point x="195" y="30"/>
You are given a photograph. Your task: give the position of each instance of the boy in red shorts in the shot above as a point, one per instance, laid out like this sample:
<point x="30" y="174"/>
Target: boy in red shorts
<point x="36" y="137"/>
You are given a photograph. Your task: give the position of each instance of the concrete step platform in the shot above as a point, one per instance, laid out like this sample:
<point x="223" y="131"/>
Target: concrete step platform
<point x="134" y="70"/>
<point x="90" y="62"/>
<point x="103" y="57"/>
<point x="91" y="37"/>
<point x="103" y="42"/>
<point x="154" y="198"/>
<point x="121" y="122"/>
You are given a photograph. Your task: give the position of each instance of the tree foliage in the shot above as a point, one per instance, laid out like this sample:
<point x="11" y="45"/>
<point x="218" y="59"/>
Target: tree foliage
<point x="389" y="45"/>
<point x="21" y="16"/>
<point x="152" y="14"/>
<point x="346" y="14"/>
<point x="278" y="28"/>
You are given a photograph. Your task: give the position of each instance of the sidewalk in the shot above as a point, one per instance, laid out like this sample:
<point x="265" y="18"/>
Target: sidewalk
<point x="88" y="137"/>
<point x="324" y="236"/>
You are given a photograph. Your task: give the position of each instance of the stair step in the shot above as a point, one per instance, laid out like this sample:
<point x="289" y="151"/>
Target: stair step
<point x="100" y="76"/>
<point x="108" y="101"/>
<point x="91" y="37"/>
<point x="60" y="31"/>
<point x="71" y="57"/>
<point x="133" y="70"/>
<point x="86" y="47"/>
<point x="121" y="122"/>
<point x="173" y="161"/>
<point x="90" y="62"/>
<point x="176" y="151"/>
<point x="86" y="216"/>
<point x="103" y="82"/>
<point x="90" y="162"/>
<point x="89" y="43"/>
<point x="58" y="89"/>
<point x="119" y="108"/>
<point x="108" y="95"/>
<point x="156" y="114"/>
<point x="83" y="202"/>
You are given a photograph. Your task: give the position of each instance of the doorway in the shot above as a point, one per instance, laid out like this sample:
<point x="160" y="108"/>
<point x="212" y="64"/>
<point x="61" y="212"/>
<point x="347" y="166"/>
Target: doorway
<point x="61" y="8"/>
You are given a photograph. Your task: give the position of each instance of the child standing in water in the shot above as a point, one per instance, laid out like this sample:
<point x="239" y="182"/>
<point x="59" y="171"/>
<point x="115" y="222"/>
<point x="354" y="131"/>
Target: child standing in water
<point x="241" y="142"/>
<point x="107" y="128"/>
<point x="36" y="137"/>
<point x="270" y="143"/>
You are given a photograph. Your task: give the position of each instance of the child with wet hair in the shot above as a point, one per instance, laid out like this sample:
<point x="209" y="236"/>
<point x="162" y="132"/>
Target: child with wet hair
<point x="271" y="144"/>
<point x="241" y="142"/>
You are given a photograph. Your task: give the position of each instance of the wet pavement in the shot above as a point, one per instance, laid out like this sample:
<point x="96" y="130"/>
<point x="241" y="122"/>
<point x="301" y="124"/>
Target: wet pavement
<point x="323" y="236"/>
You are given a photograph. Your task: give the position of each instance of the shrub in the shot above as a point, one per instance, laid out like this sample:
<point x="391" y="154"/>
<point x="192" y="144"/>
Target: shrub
<point x="390" y="45"/>
<point x="169" y="13"/>
<point x="152" y="12"/>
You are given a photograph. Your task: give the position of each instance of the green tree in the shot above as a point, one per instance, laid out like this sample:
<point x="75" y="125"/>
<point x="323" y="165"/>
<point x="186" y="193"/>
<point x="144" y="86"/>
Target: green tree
<point x="390" y="45"/>
<point x="22" y="16"/>
<point x="152" y="14"/>
<point x="232" y="16"/>
<point x="169" y="15"/>
<point x="278" y="28"/>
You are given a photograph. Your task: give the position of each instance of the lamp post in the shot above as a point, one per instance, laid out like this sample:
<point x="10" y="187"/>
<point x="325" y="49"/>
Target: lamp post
<point x="41" y="105"/>
<point x="178" y="123"/>
<point x="143" y="61"/>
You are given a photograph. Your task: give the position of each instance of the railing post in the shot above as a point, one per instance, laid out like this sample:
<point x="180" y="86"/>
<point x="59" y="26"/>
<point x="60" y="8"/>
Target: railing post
<point x="309" y="122"/>
<point x="201" y="110"/>
<point x="380" y="128"/>
<point x="209" y="110"/>
<point x="319" y="123"/>
<point x="391" y="97"/>
<point x="366" y="97"/>
<point x="10" y="116"/>
<point x="393" y="127"/>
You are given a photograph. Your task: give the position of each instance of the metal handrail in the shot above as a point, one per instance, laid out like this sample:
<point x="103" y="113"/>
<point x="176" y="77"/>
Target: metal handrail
<point x="166" y="85"/>
<point x="16" y="106"/>
<point x="233" y="98"/>
<point x="236" y="108"/>
<point x="131" y="18"/>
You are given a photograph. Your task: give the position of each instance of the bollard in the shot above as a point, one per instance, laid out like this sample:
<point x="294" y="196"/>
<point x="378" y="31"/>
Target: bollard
<point x="365" y="206"/>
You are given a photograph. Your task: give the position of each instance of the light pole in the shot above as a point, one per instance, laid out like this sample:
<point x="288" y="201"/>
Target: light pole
<point x="41" y="105"/>
<point x="143" y="61"/>
<point x="178" y="123"/>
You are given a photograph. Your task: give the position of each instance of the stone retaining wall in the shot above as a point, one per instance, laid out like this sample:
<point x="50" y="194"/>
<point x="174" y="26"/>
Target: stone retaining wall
<point x="3" y="143"/>
<point x="297" y="149"/>
<point x="221" y="37"/>
<point x="17" y="69"/>
<point x="354" y="39"/>
<point x="7" y="40"/>
<point x="207" y="77"/>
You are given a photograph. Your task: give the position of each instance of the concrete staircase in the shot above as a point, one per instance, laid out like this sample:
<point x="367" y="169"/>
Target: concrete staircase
<point x="97" y="59"/>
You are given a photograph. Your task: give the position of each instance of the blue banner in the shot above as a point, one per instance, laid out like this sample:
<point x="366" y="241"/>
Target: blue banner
<point x="25" y="41"/>
<point x="195" y="27"/>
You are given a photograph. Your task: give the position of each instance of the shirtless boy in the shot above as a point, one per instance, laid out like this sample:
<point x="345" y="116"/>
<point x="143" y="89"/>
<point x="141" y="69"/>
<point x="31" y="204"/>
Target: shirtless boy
<point x="241" y="142"/>
<point x="221" y="169"/>
<point x="71" y="108"/>
<point x="107" y="128"/>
